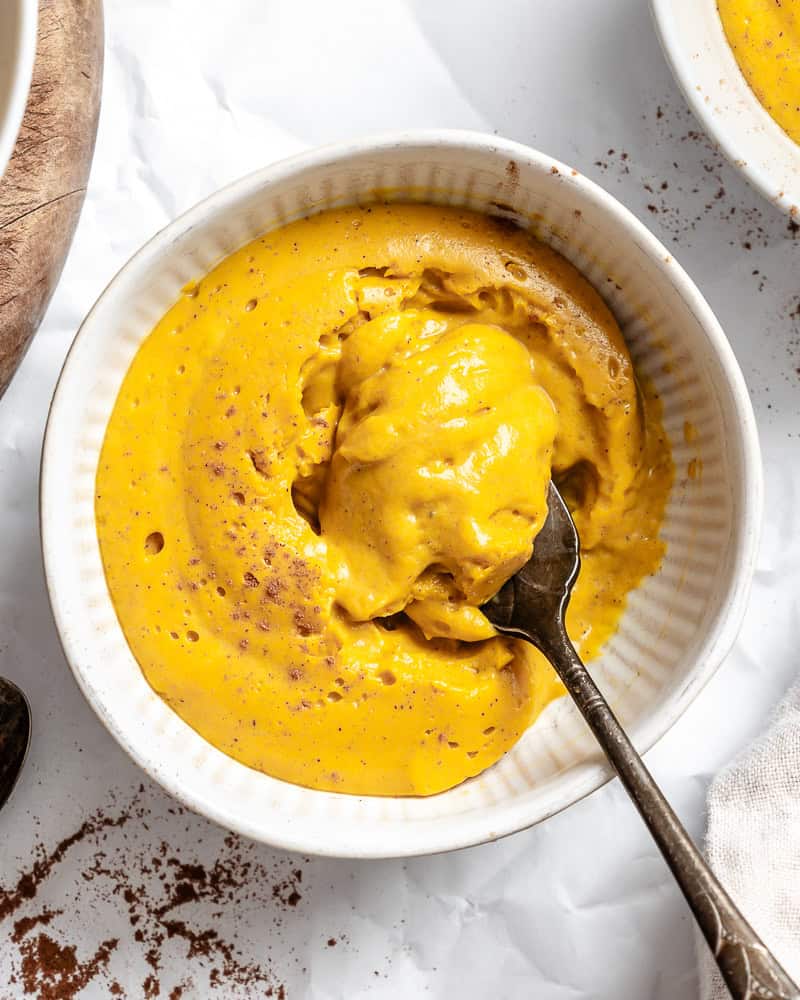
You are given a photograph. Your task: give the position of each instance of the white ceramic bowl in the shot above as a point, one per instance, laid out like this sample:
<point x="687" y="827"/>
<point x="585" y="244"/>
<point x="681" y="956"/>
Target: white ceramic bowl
<point x="17" y="52"/>
<point x="678" y="626"/>
<point x="705" y="69"/>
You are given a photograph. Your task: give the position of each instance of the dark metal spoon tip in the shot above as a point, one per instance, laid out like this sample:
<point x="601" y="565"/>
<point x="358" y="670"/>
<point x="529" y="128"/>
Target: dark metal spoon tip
<point x="15" y="736"/>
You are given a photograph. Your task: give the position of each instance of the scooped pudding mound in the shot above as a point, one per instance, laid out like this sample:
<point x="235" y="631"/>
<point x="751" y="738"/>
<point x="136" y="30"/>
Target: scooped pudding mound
<point x="331" y="451"/>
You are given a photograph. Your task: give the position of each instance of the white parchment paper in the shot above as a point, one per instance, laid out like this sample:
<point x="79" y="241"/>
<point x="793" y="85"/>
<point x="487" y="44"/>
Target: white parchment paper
<point x="196" y="94"/>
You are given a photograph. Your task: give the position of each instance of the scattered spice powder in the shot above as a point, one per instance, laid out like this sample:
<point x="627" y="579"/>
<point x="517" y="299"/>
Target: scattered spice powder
<point x="155" y="893"/>
<point x="52" y="972"/>
<point x="29" y="882"/>
<point x="694" y="187"/>
<point x="24" y="925"/>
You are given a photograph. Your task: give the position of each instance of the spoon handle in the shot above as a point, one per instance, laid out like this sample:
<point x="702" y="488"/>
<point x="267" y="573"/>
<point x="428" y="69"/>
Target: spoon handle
<point x="747" y="966"/>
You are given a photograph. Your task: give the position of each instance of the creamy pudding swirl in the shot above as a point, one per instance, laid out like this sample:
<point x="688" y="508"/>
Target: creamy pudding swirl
<point x="331" y="451"/>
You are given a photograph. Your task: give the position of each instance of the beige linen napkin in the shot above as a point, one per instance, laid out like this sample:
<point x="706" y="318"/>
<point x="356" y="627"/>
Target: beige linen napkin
<point x="753" y="840"/>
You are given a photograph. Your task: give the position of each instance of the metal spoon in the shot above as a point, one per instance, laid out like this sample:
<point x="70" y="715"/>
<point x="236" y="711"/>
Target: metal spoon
<point x="15" y="736"/>
<point x="531" y="606"/>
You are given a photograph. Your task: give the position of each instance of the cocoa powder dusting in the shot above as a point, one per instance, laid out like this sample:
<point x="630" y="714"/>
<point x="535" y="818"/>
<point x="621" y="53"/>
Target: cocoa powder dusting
<point x="50" y="971"/>
<point x="689" y="190"/>
<point x="24" y="925"/>
<point x="167" y="910"/>
<point x="29" y="882"/>
<point x="286" y="892"/>
<point x="683" y="187"/>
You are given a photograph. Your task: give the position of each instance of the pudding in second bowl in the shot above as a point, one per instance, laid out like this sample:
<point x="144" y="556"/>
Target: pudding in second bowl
<point x="765" y="38"/>
<point x="331" y="450"/>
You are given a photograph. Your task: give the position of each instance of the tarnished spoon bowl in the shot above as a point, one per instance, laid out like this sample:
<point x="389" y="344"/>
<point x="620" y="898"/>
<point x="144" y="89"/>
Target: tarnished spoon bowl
<point x="15" y="736"/>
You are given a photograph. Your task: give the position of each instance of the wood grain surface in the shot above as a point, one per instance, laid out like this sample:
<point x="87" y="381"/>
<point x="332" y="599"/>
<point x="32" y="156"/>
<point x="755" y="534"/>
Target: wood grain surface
<point x="42" y="191"/>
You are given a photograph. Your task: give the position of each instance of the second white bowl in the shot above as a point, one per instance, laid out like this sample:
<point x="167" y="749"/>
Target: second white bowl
<point x="678" y="625"/>
<point x="706" y="70"/>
